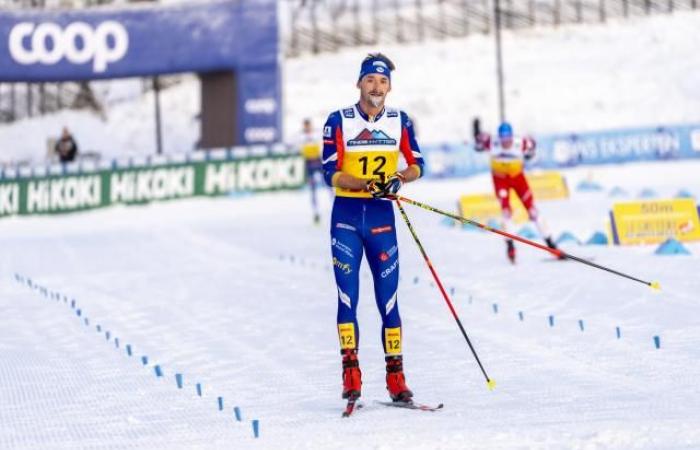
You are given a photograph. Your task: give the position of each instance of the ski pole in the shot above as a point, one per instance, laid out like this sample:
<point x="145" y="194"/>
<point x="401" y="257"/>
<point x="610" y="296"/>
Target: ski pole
<point x="554" y="251"/>
<point x="489" y="382"/>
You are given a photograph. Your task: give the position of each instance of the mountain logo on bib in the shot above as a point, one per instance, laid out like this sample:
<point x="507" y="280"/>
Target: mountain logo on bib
<point x="373" y="137"/>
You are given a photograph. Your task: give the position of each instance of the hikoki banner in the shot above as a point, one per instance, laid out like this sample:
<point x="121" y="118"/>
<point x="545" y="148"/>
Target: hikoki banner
<point x="654" y="221"/>
<point x="484" y="207"/>
<point x="54" y="194"/>
<point x="660" y="143"/>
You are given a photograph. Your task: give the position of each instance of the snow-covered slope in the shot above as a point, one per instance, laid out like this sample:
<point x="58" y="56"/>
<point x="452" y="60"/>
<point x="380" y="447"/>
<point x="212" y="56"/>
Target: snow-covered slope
<point x="573" y="78"/>
<point x="640" y="72"/>
<point x="237" y="294"/>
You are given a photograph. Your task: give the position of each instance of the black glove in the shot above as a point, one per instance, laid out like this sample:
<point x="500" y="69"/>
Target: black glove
<point x="389" y="187"/>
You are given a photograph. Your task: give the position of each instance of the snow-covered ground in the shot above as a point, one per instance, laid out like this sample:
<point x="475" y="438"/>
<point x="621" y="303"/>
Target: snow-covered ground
<point x="638" y="72"/>
<point x="237" y="294"/>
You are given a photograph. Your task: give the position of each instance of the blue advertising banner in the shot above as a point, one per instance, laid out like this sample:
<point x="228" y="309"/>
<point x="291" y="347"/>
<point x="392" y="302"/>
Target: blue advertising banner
<point x="568" y="150"/>
<point x="113" y="43"/>
<point x="616" y="146"/>
<point x="240" y="36"/>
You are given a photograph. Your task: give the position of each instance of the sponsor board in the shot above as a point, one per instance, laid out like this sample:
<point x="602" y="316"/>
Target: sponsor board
<point x="652" y="222"/>
<point x="76" y="192"/>
<point x="549" y="185"/>
<point x="485" y="207"/>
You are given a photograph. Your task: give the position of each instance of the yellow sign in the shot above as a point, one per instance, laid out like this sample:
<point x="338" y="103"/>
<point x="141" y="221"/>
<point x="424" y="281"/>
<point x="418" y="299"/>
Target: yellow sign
<point x="484" y="207"/>
<point x="654" y="221"/>
<point x="548" y="185"/>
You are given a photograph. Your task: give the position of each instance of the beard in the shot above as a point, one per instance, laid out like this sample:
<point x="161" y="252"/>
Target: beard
<point x="376" y="99"/>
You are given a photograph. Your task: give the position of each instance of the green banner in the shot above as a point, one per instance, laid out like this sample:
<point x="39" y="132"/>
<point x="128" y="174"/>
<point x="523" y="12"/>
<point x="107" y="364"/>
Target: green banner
<point x="138" y="185"/>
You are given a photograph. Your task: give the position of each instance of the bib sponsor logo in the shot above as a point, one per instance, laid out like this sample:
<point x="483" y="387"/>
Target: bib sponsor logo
<point x="79" y="43"/>
<point x="373" y="137"/>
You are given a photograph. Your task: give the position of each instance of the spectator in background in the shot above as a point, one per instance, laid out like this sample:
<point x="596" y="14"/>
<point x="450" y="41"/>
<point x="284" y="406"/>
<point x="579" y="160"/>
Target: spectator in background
<point x="66" y="148"/>
<point x="310" y="148"/>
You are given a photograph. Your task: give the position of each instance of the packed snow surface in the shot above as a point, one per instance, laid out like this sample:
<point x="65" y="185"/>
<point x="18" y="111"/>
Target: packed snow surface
<point x="237" y="294"/>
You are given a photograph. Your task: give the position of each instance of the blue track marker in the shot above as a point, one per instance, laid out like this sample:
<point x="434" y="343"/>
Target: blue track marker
<point x="220" y="401"/>
<point x="159" y="372"/>
<point x="256" y="428"/>
<point x="178" y="380"/>
<point x="617" y="331"/>
<point x="551" y="321"/>
<point x="128" y="349"/>
<point x="144" y="360"/>
<point x="580" y="324"/>
<point x="199" y="389"/>
<point x="520" y="316"/>
<point x="657" y="341"/>
<point x="116" y="342"/>
<point x="237" y="412"/>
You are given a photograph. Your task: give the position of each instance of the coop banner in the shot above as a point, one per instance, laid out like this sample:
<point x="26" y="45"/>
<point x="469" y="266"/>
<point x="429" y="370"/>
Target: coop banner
<point x="68" y="193"/>
<point x="651" y="222"/>
<point x="226" y="36"/>
<point x="55" y="45"/>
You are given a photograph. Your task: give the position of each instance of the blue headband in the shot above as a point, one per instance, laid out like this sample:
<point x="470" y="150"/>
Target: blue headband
<point x="375" y="65"/>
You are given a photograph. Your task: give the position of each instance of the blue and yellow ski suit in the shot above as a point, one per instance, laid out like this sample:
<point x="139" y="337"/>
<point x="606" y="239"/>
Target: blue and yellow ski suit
<point x="366" y="148"/>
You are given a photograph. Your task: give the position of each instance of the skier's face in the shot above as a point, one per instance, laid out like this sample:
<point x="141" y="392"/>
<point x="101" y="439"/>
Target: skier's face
<point x="506" y="142"/>
<point x="373" y="89"/>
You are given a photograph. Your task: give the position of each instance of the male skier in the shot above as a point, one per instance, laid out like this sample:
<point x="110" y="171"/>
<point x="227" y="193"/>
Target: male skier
<point x="508" y="156"/>
<point x="361" y="148"/>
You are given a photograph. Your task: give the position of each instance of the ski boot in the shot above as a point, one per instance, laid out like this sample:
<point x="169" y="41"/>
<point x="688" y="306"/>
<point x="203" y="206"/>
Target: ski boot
<point x="510" y="250"/>
<point x="550" y="243"/>
<point x="395" y="380"/>
<point x="352" y="376"/>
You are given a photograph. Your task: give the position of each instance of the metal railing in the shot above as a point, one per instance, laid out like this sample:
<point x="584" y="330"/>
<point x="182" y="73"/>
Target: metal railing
<point x="315" y="26"/>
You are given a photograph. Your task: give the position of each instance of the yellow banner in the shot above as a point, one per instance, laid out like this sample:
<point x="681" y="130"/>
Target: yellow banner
<point x="548" y="185"/>
<point x="654" y="221"/>
<point x="485" y="207"/>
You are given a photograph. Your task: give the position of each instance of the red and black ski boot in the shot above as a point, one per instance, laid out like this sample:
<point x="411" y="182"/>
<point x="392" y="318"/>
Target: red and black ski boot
<point x="352" y="376"/>
<point x="510" y="250"/>
<point x="395" y="380"/>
